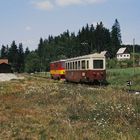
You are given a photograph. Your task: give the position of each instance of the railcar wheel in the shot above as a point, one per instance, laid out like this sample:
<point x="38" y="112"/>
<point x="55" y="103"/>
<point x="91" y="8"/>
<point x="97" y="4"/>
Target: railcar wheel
<point x="58" y="78"/>
<point x="66" y="80"/>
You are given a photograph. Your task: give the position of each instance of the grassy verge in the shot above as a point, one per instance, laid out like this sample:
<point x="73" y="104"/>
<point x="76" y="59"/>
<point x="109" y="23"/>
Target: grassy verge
<point x="118" y="77"/>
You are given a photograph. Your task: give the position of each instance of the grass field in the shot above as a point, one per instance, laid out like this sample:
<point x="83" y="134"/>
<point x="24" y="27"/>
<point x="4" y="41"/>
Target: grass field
<point x="43" y="109"/>
<point x="119" y="77"/>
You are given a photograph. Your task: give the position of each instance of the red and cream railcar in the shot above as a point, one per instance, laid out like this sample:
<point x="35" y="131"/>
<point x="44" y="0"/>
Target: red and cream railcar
<point x="88" y="68"/>
<point x="57" y="69"/>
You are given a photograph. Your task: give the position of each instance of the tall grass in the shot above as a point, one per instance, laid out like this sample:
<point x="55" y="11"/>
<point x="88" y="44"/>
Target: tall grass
<point x="119" y="77"/>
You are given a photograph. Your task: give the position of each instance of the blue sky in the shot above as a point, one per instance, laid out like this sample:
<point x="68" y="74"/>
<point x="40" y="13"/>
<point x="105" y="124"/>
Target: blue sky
<point x="27" y="20"/>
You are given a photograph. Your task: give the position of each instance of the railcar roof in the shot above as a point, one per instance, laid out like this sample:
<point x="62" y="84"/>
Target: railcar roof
<point x="94" y="55"/>
<point x="58" y="61"/>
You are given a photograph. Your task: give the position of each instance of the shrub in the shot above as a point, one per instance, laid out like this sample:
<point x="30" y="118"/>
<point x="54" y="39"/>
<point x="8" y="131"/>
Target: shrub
<point x="111" y="63"/>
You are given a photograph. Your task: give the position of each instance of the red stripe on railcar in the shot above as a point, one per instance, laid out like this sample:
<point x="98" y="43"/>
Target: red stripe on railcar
<point x="86" y="75"/>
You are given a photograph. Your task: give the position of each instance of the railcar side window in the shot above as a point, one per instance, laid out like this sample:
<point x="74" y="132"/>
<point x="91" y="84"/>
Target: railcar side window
<point x="70" y="65"/>
<point x="73" y="65"/>
<point x="87" y="64"/>
<point x="98" y="64"/>
<point x="66" y="66"/>
<point x="83" y="64"/>
<point x="55" y="66"/>
<point x="78" y="64"/>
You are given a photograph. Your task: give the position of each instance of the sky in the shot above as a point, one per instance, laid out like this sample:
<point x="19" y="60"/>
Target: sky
<point x="26" y="21"/>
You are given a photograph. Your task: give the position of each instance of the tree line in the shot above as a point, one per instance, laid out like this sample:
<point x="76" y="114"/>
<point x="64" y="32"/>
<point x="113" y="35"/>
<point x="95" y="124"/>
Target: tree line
<point x="15" y="55"/>
<point x="89" y="39"/>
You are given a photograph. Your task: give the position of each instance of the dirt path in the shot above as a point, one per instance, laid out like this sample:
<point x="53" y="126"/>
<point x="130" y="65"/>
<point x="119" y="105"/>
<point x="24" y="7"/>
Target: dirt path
<point x="9" y="76"/>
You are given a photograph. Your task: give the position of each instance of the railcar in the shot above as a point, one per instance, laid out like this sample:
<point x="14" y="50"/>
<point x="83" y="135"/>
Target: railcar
<point x="89" y="68"/>
<point x="57" y="69"/>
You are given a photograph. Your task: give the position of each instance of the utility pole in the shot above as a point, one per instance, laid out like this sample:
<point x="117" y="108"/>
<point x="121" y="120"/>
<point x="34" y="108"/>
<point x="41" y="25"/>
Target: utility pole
<point x="85" y="44"/>
<point x="134" y="56"/>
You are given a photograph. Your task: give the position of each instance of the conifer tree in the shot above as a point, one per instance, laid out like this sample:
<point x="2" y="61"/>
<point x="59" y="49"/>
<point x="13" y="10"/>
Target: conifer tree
<point x="115" y="37"/>
<point x="40" y="47"/>
<point x="27" y="51"/>
<point x="92" y="38"/>
<point x="4" y="51"/>
<point x="32" y="63"/>
<point x="20" y="58"/>
<point x="13" y="56"/>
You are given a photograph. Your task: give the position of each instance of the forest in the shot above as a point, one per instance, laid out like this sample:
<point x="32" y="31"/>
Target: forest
<point x="89" y="39"/>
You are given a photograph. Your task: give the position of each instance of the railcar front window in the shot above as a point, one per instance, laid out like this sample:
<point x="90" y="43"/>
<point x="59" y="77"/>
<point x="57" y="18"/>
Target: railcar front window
<point x="98" y="64"/>
<point x="63" y="64"/>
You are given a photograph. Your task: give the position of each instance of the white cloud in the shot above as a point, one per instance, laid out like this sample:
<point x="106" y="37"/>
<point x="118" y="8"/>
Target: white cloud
<point x="93" y="1"/>
<point x="77" y="2"/>
<point x="28" y="28"/>
<point x="50" y="4"/>
<point x="44" y="5"/>
<point x="68" y="2"/>
<point x="94" y="23"/>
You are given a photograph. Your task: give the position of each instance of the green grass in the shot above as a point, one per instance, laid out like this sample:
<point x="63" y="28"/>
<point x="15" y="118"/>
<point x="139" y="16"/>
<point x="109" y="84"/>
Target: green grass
<point x="118" y="77"/>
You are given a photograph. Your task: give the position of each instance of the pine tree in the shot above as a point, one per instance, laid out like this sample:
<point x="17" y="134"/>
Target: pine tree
<point x="92" y="38"/>
<point x="27" y="51"/>
<point x="20" y="58"/>
<point x="32" y="63"/>
<point x="100" y="37"/>
<point x="13" y="56"/>
<point x="115" y="37"/>
<point x="40" y="47"/>
<point x="4" y="51"/>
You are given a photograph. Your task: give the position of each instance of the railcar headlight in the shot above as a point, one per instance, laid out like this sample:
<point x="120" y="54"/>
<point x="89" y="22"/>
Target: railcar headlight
<point x="83" y="74"/>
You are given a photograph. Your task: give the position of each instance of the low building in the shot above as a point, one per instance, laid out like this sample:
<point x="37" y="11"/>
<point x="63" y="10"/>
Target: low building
<point x="4" y="61"/>
<point x="123" y="54"/>
<point x="4" y="66"/>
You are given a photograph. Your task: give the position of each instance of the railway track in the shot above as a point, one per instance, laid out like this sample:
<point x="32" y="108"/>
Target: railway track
<point x="86" y="85"/>
<point x="63" y="81"/>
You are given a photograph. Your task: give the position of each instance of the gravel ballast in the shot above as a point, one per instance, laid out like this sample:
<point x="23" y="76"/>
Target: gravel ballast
<point x="9" y="76"/>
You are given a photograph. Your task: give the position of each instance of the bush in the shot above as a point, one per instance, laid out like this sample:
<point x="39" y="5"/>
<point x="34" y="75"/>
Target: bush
<point x="111" y="63"/>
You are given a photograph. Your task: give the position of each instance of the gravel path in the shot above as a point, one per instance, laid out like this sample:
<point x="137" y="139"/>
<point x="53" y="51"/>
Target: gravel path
<point x="9" y="76"/>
